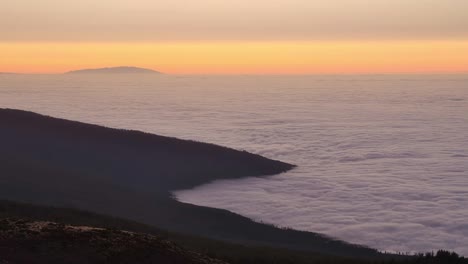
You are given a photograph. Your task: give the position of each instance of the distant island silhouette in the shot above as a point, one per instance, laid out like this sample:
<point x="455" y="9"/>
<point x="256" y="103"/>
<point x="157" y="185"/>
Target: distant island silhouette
<point x="114" y="70"/>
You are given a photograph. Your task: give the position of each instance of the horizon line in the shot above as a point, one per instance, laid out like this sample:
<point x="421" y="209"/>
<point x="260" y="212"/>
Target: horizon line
<point x="162" y="73"/>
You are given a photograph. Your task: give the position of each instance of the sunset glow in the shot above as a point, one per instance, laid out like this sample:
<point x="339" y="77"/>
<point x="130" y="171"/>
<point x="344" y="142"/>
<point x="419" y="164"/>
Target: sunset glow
<point x="236" y="37"/>
<point x="304" y="57"/>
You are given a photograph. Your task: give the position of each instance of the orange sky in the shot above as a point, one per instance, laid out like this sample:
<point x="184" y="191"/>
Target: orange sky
<point x="236" y="37"/>
<point x="261" y="57"/>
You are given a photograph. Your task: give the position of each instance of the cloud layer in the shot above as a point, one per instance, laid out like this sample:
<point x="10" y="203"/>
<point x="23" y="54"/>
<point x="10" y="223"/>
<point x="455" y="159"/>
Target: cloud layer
<point x="383" y="160"/>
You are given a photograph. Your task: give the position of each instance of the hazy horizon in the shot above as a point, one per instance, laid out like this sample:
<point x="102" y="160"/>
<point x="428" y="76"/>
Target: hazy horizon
<point x="123" y="75"/>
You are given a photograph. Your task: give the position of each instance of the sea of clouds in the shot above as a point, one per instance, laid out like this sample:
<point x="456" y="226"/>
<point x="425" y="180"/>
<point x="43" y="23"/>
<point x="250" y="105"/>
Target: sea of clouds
<point x="382" y="160"/>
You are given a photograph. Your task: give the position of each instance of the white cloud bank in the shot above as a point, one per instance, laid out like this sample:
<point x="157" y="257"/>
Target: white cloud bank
<point x="383" y="160"/>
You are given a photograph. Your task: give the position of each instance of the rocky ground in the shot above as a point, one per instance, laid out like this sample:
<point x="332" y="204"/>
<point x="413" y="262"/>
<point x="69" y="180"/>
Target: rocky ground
<point x="48" y="242"/>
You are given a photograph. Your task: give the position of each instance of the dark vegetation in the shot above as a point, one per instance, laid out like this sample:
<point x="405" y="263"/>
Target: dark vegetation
<point x="130" y="174"/>
<point x="441" y="257"/>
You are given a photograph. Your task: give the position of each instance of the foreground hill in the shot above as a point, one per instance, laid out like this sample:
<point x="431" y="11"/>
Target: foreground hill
<point x="109" y="230"/>
<point x="131" y="174"/>
<point x="229" y="252"/>
<point x="49" y="242"/>
<point x="114" y="70"/>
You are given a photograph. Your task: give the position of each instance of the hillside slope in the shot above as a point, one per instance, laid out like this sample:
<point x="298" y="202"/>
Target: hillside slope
<point x="229" y="252"/>
<point x="131" y="174"/>
<point x="48" y="242"/>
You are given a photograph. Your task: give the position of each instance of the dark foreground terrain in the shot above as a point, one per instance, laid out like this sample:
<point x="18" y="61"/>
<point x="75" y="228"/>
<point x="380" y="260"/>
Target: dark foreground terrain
<point x="130" y="175"/>
<point x="104" y="239"/>
<point x="48" y="242"/>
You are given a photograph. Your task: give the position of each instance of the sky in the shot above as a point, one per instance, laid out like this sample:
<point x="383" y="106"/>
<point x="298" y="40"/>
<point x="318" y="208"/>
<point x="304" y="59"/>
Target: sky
<point x="236" y="37"/>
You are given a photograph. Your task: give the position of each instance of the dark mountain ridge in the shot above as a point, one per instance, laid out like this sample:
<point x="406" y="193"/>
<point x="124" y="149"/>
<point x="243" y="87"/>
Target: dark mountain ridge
<point x="131" y="174"/>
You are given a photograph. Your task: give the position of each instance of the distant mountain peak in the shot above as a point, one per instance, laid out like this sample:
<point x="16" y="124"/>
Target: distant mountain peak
<point x="115" y="70"/>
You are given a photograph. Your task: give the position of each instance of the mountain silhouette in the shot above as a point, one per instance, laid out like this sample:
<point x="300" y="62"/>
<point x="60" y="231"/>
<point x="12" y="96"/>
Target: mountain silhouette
<point x="131" y="174"/>
<point x="114" y="70"/>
